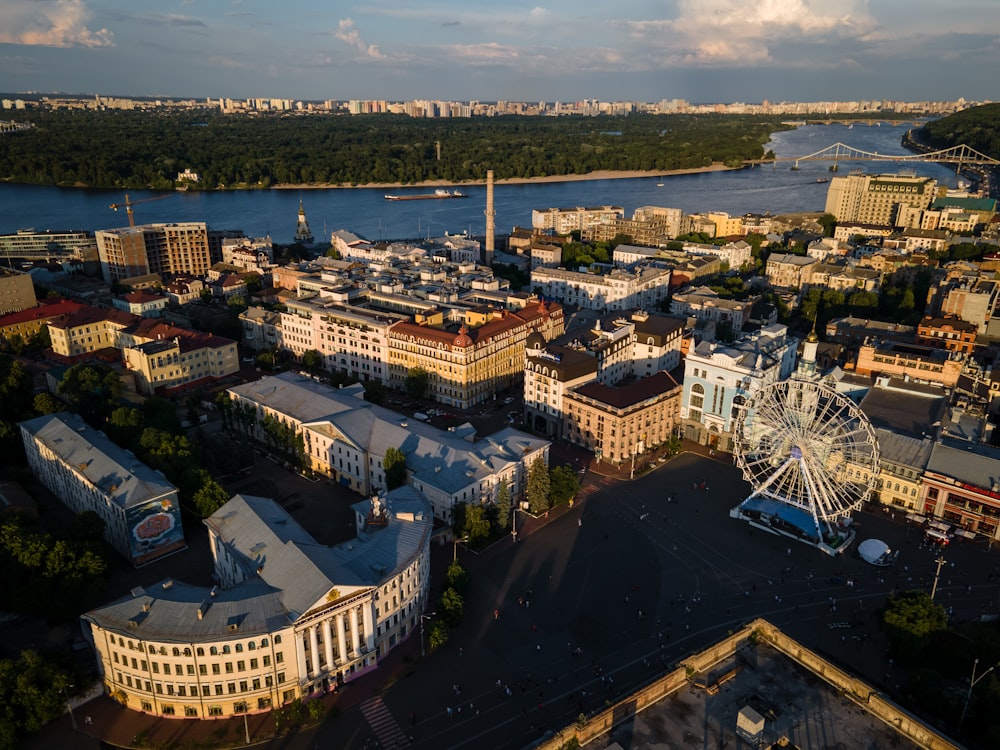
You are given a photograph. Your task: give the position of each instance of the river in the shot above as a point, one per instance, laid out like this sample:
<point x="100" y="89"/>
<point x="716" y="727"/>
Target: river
<point x="364" y="211"/>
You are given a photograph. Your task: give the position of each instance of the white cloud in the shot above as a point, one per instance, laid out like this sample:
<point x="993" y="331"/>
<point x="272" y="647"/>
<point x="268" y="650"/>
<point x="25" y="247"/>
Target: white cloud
<point x="61" y="23"/>
<point x="718" y="32"/>
<point x="349" y="35"/>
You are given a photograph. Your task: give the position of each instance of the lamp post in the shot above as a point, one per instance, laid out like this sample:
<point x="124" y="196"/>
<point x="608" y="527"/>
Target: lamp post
<point x="968" y="696"/>
<point x="69" y="705"/>
<point x="937" y="573"/>
<point x="246" y="726"/>
<point x="422" y="618"/>
<point x="454" y="548"/>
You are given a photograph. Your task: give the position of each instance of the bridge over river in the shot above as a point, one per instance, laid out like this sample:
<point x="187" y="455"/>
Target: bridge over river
<point x="962" y="156"/>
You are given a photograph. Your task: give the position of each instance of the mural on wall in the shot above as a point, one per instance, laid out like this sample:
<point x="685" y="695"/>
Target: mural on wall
<point x="154" y="528"/>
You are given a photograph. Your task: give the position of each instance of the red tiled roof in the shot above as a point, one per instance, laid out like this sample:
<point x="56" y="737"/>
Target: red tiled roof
<point x="47" y="308"/>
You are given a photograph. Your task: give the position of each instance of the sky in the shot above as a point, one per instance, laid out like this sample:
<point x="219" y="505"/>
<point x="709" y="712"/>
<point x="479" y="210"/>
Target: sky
<point x="556" y="50"/>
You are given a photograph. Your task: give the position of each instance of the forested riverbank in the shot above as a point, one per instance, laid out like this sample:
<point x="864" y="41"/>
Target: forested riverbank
<point x="148" y="149"/>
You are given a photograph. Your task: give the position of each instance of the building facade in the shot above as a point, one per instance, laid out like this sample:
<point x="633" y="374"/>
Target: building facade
<point x="166" y="249"/>
<point x="887" y="199"/>
<point x="290" y="618"/>
<point x="566" y="220"/>
<point x="719" y="379"/>
<point x="617" y="289"/>
<point x="87" y="471"/>
<point x="17" y="292"/>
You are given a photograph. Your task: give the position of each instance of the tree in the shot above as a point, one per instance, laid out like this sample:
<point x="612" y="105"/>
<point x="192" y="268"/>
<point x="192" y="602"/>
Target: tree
<point x="312" y="360"/>
<point x="46" y="403"/>
<point x="451" y="607"/>
<point x="438" y="635"/>
<point x="911" y="619"/>
<point x="829" y="223"/>
<point x="15" y="389"/>
<point x="92" y="391"/>
<point x="417" y="381"/>
<point x="457" y="577"/>
<point x="504" y="506"/>
<point x="477" y="526"/>
<point x="374" y="391"/>
<point x="563" y="485"/>
<point x="394" y="466"/>
<point x="538" y="486"/>
<point x="210" y="496"/>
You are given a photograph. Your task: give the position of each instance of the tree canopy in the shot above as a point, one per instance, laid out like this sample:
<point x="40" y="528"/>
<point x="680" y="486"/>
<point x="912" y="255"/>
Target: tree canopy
<point x="137" y="149"/>
<point x="394" y="465"/>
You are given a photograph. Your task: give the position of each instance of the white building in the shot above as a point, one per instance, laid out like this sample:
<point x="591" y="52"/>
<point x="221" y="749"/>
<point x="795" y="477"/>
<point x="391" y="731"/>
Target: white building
<point x="290" y="618"/>
<point x="618" y="289"/>
<point x="87" y="471"/>
<point x="346" y="438"/>
<point x="566" y="220"/>
<point x="737" y="254"/>
<point x="718" y="379"/>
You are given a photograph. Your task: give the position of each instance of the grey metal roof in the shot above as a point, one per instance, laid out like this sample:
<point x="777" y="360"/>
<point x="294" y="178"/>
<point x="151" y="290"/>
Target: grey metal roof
<point x="286" y="557"/>
<point x="114" y="470"/>
<point x="438" y="458"/>
<point x="973" y="465"/>
<point x="168" y="611"/>
<point x="909" y="412"/>
<point x="904" y="449"/>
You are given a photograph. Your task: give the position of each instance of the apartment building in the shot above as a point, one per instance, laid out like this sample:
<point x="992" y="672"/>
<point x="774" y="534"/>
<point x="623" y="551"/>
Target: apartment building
<point x="290" y="618"/>
<point x="787" y="271"/>
<point x="617" y="289"/>
<point x="616" y="348"/>
<point x="166" y="249"/>
<point x="28" y="244"/>
<point x="621" y="422"/>
<point x="88" y="472"/>
<point x="469" y="365"/>
<point x="705" y="304"/>
<point x="578" y="218"/>
<point x="950" y="333"/>
<point x="887" y="199"/>
<point x="17" y="292"/>
<point x="164" y="359"/>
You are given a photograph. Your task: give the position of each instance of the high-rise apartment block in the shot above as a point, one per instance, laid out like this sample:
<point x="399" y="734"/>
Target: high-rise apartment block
<point x="154" y="248"/>
<point x="885" y="199"/>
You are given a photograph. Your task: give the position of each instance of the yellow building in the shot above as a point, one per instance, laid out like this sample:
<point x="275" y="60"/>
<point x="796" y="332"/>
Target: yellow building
<point x="620" y="423"/>
<point x="923" y="364"/>
<point x="469" y="366"/>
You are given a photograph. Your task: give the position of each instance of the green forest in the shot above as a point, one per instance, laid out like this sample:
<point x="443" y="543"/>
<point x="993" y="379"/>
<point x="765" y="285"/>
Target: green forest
<point x="122" y="149"/>
<point x="977" y="127"/>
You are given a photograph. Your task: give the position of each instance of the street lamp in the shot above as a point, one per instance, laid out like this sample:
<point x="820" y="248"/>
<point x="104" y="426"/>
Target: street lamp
<point x="69" y="705"/>
<point x="968" y="696"/>
<point x="422" y="618"/>
<point x="454" y="548"/>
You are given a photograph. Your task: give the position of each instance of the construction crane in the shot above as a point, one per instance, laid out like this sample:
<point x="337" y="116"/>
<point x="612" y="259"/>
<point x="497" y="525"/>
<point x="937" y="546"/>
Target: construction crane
<point x="127" y="205"/>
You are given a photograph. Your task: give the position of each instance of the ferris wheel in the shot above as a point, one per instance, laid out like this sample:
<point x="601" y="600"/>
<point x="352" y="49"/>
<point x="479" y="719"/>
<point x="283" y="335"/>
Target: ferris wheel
<point x="809" y="448"/>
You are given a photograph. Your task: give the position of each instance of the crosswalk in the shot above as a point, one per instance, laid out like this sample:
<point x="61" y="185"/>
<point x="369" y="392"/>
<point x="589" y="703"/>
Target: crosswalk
<point x="387" y="730"/>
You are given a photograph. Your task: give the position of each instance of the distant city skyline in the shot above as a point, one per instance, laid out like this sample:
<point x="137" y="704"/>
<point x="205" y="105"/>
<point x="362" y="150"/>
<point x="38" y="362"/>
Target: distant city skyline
<point x="699" y="50"/>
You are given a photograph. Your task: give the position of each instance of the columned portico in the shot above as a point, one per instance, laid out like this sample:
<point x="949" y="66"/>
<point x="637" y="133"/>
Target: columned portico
<point x="354" y="631"/>
<point x="328" y="645"/>
<point x="369" y="639"/>
<point x="314" y="651"/>
<point x="300" y="654"/>
<point x="341" y="638"/>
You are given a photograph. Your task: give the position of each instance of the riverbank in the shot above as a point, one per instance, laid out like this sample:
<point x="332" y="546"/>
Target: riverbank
<point x="606" y="174"/>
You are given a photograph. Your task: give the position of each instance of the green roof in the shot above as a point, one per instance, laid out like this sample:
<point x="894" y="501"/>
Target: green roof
<point x="975" y="205"/>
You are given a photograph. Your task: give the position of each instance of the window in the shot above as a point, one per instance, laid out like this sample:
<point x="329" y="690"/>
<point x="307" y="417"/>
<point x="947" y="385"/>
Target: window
<point x="146" y="706"/>
<point x="167" y="710"/>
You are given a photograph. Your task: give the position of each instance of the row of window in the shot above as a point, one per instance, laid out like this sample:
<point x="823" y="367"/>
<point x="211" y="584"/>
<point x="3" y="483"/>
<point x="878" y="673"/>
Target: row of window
<point x="191" y="690"/>
<point x="217" y="668"/>
<point x="186" y="651"/>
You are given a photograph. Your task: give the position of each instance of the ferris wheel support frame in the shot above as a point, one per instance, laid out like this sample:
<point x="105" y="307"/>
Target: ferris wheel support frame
<point x="814" y="513"/>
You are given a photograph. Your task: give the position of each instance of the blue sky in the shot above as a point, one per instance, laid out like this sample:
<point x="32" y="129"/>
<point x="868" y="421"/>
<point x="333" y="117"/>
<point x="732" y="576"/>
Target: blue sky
<point x="566" y="50"/>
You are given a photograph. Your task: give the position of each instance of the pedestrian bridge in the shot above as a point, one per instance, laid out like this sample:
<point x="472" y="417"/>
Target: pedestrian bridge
<point x="961" y="155"/>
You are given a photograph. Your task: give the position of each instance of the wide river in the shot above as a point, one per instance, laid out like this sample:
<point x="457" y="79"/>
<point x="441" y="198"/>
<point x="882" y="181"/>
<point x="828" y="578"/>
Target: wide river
<point x="364" y="211"/>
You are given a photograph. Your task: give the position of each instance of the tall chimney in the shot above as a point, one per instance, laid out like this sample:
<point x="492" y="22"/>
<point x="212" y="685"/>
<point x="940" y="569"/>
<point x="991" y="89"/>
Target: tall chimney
<point x="490" y="219"/>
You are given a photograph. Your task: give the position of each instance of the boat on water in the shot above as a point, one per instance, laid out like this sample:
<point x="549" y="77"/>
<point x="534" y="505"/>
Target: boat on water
<point x="659" y="184"/>
<point x="439" y="194"/>
<point x="822" y="179"/>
